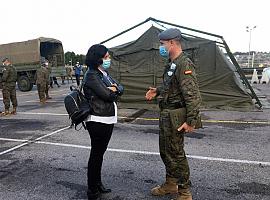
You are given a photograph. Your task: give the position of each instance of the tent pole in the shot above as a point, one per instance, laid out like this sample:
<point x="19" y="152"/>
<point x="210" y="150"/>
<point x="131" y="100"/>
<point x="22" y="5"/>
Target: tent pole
<point x="191" y="29"/>
<point x="126" y="30"/>
<point x="241" y="73"/>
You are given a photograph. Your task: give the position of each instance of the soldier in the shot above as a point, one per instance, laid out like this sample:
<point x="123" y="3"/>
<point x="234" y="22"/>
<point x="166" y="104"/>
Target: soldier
<point x="48" y="71"/>
<point x="41" y="81"/>
<point x="69" y="71"/>
<point x="179" y="92"/>
<point x="9" y="79"/>
<point x="84" y="69"/>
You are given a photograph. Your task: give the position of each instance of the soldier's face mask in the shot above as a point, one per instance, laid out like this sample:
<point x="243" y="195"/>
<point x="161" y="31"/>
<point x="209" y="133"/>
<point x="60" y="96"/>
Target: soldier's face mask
<point x="164" y="48"/>
<point x="163" y="51"/>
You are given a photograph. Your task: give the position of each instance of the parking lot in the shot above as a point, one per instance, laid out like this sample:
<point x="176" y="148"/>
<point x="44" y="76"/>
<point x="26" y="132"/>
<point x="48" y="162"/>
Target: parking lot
<point x="42" y="158"/>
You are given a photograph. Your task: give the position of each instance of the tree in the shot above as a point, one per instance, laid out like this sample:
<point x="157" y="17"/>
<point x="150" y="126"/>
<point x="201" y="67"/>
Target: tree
<point x="74" y="58"/>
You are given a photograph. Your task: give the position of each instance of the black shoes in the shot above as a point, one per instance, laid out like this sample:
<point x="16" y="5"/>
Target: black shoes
<point x="102" y="189"/>
<point x="93" y="193"/>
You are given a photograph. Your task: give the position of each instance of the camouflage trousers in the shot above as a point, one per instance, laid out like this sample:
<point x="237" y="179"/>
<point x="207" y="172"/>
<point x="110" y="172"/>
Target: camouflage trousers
<point x="47" y="89"/>
<point x="9" y="94"/>
<point x="171" y="147"/>
<point x="69" y="76"/>
<point x="41" y="91"/>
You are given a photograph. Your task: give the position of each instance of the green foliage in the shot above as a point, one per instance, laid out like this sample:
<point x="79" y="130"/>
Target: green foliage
<point x="71" y="56"/>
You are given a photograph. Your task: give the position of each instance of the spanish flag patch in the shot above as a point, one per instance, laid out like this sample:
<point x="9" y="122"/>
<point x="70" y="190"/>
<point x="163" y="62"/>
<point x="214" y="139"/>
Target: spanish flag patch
<point x="188" y="72"/>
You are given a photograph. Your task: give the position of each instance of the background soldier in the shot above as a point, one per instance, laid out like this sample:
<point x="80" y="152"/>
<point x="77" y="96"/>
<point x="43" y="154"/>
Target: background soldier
<point x="41" y="81"/>
<point x="9" y="79"/>
<point x="69" y="70"/>
<point x="84" y="69"/>
<point x="179" y="92"/>
<point x="48" y="71"/>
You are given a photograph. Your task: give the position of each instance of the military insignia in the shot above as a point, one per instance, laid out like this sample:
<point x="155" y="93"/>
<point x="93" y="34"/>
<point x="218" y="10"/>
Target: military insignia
<point x="170" y="73"/>
<point x="187" y="72"/>
<point x="173" y="66"/>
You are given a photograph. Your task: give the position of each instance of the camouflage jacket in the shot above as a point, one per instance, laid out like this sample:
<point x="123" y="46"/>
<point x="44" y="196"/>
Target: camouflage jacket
<point x="47" y="72"/>
<point x="9" y="74"/>
<point x="42" y="75"/>
<point x="180" y="85"/>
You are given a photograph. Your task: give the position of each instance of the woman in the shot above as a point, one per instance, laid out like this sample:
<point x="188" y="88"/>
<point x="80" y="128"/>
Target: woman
<point x="102" y="92"/>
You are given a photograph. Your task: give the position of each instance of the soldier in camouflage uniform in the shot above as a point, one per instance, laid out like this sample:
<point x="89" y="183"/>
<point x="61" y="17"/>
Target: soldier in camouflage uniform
<point x="41" y="82"/>
<point x="69" y="70"/>
<point x="179" y="90"/>
<point x="9" y="79"/>
<point x="48" y="71"/>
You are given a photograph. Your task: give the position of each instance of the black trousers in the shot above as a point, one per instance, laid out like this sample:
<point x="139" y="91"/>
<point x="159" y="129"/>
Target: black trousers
<point x="100" y="135"/>
<point x="77" y="79"/>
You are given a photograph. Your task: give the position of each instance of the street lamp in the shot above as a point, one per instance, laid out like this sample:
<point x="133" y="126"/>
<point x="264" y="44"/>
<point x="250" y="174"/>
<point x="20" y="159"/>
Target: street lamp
<point x="249" y="29"/>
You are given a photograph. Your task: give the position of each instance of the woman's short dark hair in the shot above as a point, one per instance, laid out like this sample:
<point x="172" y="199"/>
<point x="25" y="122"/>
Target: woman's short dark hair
<point x="94" y="55"/>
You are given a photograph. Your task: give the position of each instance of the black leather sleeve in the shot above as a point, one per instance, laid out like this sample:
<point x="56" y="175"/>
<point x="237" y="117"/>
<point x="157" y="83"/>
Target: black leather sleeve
<point x="95" y="84"/>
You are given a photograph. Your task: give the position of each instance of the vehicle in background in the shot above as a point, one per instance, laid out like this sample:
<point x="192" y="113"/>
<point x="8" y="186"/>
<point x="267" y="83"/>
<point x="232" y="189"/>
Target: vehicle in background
<point x="26" y="57"/>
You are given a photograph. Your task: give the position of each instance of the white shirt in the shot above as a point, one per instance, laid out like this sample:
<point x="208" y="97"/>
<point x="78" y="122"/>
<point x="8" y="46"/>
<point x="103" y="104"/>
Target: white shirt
<point x="105" y="120"/>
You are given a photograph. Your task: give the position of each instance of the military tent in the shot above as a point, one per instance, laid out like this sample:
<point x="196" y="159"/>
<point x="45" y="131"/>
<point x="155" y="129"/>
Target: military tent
<point x="138" y="65"/>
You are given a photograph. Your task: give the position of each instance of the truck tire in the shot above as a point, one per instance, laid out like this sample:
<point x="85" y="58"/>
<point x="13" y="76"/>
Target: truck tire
<point x="24" y="84"/>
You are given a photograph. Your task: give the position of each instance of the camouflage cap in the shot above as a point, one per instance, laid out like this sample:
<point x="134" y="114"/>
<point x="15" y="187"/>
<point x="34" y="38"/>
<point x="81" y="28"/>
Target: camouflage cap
<point x="169" y="34"/>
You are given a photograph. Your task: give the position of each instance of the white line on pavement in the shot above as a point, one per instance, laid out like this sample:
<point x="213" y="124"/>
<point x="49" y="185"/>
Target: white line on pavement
<point x="37" y="101"/>
<point x="156" y="153"/>
<point x="13" y="140"/>
<point x="146" y="152"/>
<point x="30" y="93"/>
<point x="53" y="114"/>
<point x="31" y="141"/>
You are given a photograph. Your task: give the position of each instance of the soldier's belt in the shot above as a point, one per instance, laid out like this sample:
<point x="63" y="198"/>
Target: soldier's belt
<point x="171" y="105"/>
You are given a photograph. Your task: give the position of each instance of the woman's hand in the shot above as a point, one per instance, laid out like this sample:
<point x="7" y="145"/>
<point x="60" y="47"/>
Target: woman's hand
<point x="114" y="89"/>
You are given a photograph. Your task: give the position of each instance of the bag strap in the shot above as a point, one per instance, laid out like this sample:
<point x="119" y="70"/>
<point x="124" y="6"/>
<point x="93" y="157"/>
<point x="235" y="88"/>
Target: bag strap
<point x="83" y="83"/>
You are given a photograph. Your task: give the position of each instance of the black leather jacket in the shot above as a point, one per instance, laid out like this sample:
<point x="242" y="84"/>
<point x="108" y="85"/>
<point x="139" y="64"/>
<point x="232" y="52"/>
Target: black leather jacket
<point x="100" y="97"/>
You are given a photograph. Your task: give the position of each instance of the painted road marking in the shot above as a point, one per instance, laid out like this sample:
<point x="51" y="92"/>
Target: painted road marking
<point x="51" y="114"/>
<point x="32" y="141"/>
<point x="140" y="152"/>
<point x="19" y="94"/>
<point x="156" y="119"/>
<point x="38" y="101"/>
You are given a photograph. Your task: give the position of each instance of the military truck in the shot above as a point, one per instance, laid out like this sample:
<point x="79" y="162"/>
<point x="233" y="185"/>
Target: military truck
<point x="27" y="55"/>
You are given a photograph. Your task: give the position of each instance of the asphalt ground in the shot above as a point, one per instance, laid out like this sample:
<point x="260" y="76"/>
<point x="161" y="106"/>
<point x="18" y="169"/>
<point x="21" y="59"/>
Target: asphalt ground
<point x="42" y="158"/>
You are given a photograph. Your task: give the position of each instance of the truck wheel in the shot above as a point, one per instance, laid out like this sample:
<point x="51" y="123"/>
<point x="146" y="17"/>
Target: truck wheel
<point x="24" y="84"/>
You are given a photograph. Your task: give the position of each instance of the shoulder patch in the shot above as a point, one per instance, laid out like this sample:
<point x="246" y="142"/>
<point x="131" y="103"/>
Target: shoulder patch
<point x="186" y="72"/>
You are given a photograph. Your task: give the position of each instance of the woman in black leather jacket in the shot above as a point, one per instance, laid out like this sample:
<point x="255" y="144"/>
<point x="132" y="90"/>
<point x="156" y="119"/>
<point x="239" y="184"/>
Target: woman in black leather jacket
<point x="102" y="92"/>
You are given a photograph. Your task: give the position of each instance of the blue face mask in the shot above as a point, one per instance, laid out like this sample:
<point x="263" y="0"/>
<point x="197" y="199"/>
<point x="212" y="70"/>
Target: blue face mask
<point x="163" y="52"/>
<point x="106" y="64"/>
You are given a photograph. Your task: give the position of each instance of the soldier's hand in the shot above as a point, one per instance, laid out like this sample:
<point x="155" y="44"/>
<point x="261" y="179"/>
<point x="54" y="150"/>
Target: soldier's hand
<point x="186" y="128"/>
<point x="151" y="93"/>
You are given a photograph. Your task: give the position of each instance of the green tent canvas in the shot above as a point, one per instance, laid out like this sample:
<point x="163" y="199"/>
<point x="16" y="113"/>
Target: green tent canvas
<point x="138" y="65"/>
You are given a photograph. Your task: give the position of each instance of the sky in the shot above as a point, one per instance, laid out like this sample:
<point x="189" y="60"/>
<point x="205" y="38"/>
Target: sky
<point x="82" y="23"/>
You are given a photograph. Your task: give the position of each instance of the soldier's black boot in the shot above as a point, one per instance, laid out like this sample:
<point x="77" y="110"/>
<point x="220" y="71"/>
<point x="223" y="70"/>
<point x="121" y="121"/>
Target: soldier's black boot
<point x="93" y="193"/>
<point x="102" y="189"/>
